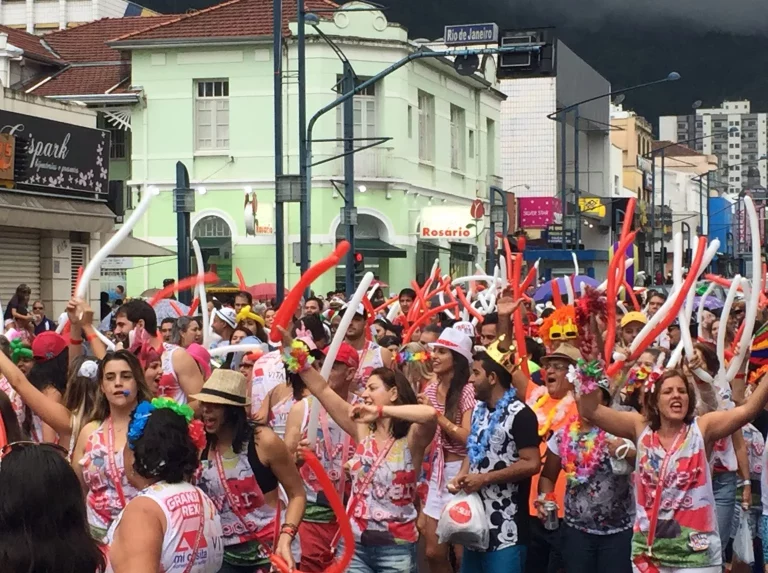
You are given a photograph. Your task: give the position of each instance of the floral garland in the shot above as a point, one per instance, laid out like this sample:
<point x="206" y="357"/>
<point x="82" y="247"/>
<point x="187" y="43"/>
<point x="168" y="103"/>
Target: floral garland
<point x="297" y="359"/>
<point x="755" y="377"/>
<point x="536" y="402"/>
<point x="477" y="449"/>
<point x="408" y="356"/>
<point x="143" y="411"/>
<point x="643" y="377"/>
<point x="585" y="376"/>
<point x="581" y="453"/>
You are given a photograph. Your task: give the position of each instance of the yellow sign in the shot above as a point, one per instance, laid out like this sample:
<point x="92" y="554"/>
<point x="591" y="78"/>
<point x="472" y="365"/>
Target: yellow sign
<point x="592" y="205"/>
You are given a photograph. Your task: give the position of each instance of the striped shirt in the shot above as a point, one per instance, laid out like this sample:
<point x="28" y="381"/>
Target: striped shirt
<point x="466" y="403"/>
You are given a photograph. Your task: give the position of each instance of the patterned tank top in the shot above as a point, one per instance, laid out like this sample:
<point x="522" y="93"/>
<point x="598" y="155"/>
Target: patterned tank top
<point x="686" y="532"/>
<point x="251" y="518"/>
<point x="370" y="359"/>
<point x="383" y="512"/>
<point x="329" y="449"/>
<point x="268" y="372"/>
<point x="169" y="386"/>
<point x="278" y="415"/>
<point x="184" y="506"/>
<point x="724" y="456"/>
<point x="102" y="470"/>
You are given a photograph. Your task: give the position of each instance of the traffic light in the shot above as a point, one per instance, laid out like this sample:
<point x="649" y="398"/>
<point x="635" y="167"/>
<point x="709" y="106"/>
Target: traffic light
<point x="359" y="262"/>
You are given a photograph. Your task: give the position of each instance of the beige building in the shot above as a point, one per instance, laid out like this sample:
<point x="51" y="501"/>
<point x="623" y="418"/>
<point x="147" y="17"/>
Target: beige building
<point x="634" y="136"/>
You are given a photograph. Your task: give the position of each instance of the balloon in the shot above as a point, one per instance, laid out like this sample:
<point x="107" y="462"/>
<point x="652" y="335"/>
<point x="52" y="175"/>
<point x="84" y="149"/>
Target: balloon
<point x="393" y="310"/>
<point x="193" y="306"/>
<point x="345" y="528"/>
<point x="424" y="317"/>
<point x="202" y="297"/>
<point x="470" y="309"/>
<point x="176" y="308"/>
<point x="183" y="284"/>
<point x="702" y="303"/>
<point x="243" y="285"/>
<point x="291" y="301"/>
<point x="338" y="338"/>
<point x="518" y="315"/>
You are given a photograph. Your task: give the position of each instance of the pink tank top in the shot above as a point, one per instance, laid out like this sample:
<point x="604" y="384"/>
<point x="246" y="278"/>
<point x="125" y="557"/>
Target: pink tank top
<point x="383" y="513"/>
<point x="686" y="532"/>
<point x="101" y="472"/>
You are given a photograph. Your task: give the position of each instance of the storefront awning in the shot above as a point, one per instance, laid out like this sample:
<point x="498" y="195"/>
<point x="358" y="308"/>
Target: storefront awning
<point x="54" y="213"/>
<point x="133" y="247"/>
<point x="379" y="248"/>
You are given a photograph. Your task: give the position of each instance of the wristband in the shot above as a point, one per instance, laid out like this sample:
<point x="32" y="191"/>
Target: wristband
<point x="745" y="483"/>
<point x="75" y="342"/>
<point x="90" y="337"/>
<point x="380" y="412"/>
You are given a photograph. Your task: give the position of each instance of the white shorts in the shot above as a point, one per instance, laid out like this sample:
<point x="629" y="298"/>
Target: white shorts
<point x="438" y="498"/>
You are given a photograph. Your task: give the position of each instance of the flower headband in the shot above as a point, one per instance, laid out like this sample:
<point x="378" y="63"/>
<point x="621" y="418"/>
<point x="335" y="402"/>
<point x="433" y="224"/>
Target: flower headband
<point x="298" y="357"/>
<point x="587" y="377"/>
<point x="643" y="377"/>
<point x="408" y="356"/>
<point x="246" y="312"/>
<point x="144" y="410"/>
<point x="20" y="350"/>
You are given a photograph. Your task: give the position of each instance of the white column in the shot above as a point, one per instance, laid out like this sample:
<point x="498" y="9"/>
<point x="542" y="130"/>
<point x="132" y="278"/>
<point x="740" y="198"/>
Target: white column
<point x="30" y="13"/>
<point x="62" y="14"/>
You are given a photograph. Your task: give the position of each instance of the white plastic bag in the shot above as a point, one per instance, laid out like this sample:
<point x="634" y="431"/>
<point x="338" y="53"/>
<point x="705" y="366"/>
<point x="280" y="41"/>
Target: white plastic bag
<point x="743" y="550"/>
<point x="463" y="522"/>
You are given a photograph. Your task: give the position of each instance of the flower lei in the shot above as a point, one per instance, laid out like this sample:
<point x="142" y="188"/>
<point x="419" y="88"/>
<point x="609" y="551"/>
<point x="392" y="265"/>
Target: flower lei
<point x="581" y="453"/>
<point x="143" y="411"/>
<point x="643" y="377"/>
<point x="755" y="377"/>
<point x="408" y="356"/>
<point x="297" y="359"/>
<point x="477" y="449"/>
<point x="538" y="398"/>
<point x="19" y="350"/>
<point x="586" y="375"/>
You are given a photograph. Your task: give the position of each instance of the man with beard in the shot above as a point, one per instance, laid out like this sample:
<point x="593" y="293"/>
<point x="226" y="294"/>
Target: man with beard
<point x="371" y="355"/>
<point x="554" y="405"/>
<point x="502" y="457"/>
<point x="181" y="375"/>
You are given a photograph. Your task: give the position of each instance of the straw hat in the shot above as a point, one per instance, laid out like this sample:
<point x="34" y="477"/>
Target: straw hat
<point x="226" y="387"/>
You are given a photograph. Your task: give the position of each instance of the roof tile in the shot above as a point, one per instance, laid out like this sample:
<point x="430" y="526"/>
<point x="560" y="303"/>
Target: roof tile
<point x="85" y="80"/>
<point x="235" y="18"/>
<point x="672" y="149"/>
<point x="31" y="44"/>
<point x="88" y="42"/>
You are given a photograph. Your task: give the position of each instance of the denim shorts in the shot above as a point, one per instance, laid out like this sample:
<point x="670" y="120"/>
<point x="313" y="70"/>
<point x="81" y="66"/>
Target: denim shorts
<point x="382" y="558"/>
<point x="509" y="560"/>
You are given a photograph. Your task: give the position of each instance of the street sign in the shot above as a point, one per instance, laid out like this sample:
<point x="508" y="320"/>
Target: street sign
<point x="468" y="34"/>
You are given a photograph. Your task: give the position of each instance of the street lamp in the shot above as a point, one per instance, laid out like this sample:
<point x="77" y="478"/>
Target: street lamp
<point x="562" y="113"/>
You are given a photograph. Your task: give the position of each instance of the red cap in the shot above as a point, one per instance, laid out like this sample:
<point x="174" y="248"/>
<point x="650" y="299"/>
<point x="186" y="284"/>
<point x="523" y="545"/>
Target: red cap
<point x="48" y="345"/>
<point x="347" y="355"/>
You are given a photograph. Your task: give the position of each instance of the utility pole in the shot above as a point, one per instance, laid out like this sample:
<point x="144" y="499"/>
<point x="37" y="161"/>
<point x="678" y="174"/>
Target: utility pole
<point x="277" y="57"/>
<point x="306" y="184"/>
<point x="662" y="259"/>
<point x="577" y="189"/>
<point x="183" y="205"/>
<point x="349" y="212"/>
<point x="563" y="169"/>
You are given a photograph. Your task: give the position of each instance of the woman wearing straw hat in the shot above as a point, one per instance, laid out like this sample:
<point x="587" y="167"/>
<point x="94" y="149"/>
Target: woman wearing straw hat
<point x="242" y="467"/>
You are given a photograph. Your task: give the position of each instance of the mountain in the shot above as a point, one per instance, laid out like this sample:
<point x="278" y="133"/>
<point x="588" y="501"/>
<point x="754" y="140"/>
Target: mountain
<point x="717" y="48"/>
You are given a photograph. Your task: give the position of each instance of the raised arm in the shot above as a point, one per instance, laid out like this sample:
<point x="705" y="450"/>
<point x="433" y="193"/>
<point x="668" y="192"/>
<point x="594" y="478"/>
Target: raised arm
<point x="505" y="308"/>
<point x="423" y="420"/>
<point x="716" y="425"/>
<point x="50" y="411"/>
<point x="336" y="406"/>
<point x="622" y="424"/>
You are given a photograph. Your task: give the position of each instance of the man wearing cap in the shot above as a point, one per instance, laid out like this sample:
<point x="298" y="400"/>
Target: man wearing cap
<point x="136" y="324"/>
<point x="554" y="405"/>
<point x="223" y="325"/>
<point x="630" y="326"/>
<point x="503" y="456"/>
<point x="333" y="447"/>
<point x="370" y="354"/>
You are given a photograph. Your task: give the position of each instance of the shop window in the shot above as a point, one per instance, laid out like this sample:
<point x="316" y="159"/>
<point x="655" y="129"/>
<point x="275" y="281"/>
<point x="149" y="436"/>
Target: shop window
<point x="212" y="115"/>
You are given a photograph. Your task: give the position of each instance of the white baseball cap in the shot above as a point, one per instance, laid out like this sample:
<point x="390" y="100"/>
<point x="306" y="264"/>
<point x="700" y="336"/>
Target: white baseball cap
<point x="227" y="315"/>
<point x="455" y="340"/>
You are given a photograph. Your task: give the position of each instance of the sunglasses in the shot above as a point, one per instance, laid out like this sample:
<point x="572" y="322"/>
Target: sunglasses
<point x="37" y="308"/>
<point x="6" y="449"/>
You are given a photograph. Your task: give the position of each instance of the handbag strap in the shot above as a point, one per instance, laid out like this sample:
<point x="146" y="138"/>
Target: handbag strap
<point x="199" y="537"/>
<point x="660" y="486"/>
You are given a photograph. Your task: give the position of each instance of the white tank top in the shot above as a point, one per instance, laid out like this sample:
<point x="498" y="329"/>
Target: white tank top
<point x="169" y="386"/>
<point x="184" y="505"/>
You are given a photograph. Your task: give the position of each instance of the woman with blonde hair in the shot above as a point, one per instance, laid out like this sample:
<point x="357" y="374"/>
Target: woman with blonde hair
<point x="414" y="362"/>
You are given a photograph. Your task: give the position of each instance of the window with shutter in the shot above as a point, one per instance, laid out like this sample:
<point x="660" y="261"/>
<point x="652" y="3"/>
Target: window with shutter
<point x="78" y="258"/>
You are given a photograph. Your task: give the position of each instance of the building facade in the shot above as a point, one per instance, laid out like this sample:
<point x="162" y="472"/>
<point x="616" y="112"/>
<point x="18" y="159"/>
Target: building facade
<point x="532" y="154"/>
<point x="207" y="100"/>
<point x="43" y="16"/>
<point x="732" y="132"/>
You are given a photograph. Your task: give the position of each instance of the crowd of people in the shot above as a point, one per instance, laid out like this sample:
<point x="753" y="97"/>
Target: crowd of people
<point x="184" y="449"/>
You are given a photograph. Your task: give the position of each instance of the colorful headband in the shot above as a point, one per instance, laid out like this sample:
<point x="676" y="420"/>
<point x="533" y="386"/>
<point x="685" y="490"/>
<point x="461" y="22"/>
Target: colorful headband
<point x="20" y="350"/>
<point x="144" y="410"/>
<point x="587" y="377"/>
<point x="643" y="377"/>
<point x="246" y="312"/>
<point x="406" y="356"/>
